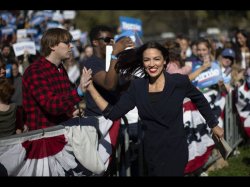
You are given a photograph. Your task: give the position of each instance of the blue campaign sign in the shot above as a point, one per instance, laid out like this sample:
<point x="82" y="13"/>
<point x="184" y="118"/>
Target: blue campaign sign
<point x="6" y="16"/>
<point x="37" y="20"/>
<point x="52" y="24"/>
<point x="8" y="30"/>
<point x="133" y="24"/>
<point x="32" y="31"/>
<point x="209" y="77"/>
<point x="48" y="13"/>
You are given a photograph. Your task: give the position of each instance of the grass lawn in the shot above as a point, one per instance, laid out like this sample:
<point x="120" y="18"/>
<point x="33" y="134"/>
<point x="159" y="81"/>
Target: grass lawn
<point x="239" y="165"/>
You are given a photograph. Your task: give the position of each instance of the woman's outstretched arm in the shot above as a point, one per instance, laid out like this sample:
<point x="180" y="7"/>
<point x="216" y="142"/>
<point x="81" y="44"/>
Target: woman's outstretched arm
<point x="113" y="112"/>
<point x="86" y="84"/>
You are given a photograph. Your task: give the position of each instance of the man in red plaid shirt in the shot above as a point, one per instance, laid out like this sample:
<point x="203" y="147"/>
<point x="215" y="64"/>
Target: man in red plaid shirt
<point x="48" y="96"/>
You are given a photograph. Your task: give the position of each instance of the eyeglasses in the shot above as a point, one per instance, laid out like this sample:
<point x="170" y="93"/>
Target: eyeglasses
<point x="67" y="43"/>
<point x="106" y="39"/>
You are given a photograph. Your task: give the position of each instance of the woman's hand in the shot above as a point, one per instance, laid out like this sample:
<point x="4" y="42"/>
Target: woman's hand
<point x="86" y="79"/>
<point x="206" y="62"/>
<point x="218" y="131"/>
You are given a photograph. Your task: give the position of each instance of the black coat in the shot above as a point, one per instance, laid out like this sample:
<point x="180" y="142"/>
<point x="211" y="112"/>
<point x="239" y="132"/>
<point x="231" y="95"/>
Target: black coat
<point x="165" y="144"/>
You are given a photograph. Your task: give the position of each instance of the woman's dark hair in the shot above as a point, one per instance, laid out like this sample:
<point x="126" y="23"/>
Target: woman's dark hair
<point x="244" y="33"/>
<point x="237" y="47"/>
<point x="131" y="61"/>
<point x="6" y="90"/>
<point x="174" y="50"/>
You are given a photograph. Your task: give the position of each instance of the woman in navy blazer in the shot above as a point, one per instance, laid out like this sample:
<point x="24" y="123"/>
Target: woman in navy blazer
<point x="159" y="98"/>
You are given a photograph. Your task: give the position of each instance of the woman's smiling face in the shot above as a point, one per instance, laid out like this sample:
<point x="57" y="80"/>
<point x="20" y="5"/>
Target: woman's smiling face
<point x="153" y="62"/>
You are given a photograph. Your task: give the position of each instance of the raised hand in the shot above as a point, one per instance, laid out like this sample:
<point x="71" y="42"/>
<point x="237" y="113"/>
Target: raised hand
<point x="86" y="79"/>
<point x="122" y="44"/>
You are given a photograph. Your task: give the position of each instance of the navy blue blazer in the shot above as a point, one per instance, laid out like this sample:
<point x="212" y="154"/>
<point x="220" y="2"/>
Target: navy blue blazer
<point x="166" y="147"/>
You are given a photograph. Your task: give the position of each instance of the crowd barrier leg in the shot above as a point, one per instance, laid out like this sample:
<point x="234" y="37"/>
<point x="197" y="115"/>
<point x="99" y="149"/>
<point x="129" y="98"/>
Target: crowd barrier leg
<point x="129" y="153"/>
<point x="232" y="128"/>
<point x="233" y="133"/>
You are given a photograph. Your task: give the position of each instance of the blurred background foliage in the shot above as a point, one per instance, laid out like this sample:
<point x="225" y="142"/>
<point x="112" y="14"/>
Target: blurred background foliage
<point x="155" y="22"/>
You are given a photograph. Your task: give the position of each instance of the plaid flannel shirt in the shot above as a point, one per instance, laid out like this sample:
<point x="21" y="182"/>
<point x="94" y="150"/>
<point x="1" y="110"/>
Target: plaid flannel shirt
<point x="48" y="97"/>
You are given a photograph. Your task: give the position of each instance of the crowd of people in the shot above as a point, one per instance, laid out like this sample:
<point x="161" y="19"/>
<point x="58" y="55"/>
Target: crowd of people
<point x="44" y="90"/>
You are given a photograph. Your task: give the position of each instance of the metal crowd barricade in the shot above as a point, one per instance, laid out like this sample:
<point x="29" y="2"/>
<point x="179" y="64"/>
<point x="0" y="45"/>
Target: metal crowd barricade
<point x="32" y="133"/>
<point x="232" y="127"/>
<point x="123" y="151"/>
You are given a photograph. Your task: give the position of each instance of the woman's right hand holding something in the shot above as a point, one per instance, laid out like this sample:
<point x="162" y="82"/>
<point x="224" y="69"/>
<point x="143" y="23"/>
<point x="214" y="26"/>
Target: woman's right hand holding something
<point x="206" y="62"/>
<point x="122" y="44"/>
<point x="218" y="131"/>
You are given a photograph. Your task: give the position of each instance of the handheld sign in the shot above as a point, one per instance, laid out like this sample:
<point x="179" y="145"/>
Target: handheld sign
<point x="132" y="24"/>
<point x="20" y="48"/>
<point x="209" y="77"/>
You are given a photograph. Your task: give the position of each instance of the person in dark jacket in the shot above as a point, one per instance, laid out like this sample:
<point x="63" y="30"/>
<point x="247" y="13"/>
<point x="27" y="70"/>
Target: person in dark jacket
<point x="159" y="97"/>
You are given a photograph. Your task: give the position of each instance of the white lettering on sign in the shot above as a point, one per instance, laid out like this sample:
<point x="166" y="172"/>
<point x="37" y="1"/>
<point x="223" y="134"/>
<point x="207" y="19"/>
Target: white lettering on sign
<point x="130" y="26"/>
<point x="207" y="75"/>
